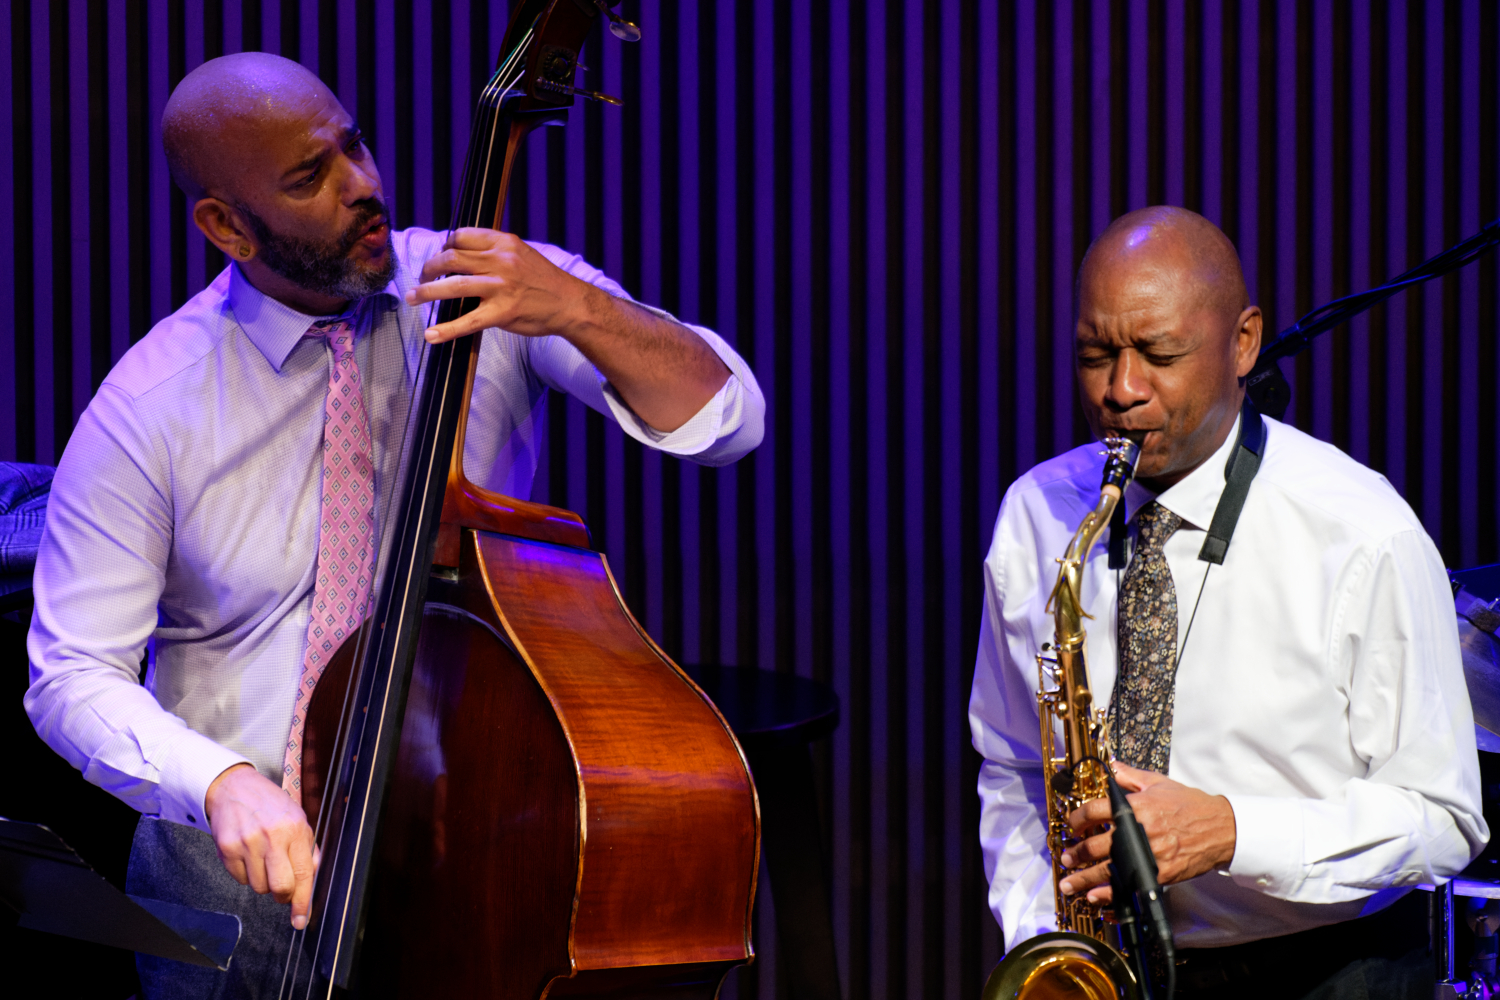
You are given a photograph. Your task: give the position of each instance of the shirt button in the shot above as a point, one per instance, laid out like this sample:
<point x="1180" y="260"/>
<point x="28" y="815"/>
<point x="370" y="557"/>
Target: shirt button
<point x="1262" y="881"/>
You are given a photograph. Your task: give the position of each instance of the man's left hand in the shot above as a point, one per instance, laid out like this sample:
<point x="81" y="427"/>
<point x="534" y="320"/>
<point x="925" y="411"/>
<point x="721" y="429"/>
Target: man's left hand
<point x="1191" y="832"/>
<point x="518" y="289"/>
<point x="664" y="371"/>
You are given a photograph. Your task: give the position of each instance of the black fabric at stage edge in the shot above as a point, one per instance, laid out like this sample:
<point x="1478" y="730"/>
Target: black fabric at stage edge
<point x="43" y="788"/>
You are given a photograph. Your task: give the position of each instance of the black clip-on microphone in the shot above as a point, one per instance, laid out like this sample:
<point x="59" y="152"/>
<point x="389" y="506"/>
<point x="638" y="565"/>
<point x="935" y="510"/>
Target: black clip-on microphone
<point x="1137" y="892"/>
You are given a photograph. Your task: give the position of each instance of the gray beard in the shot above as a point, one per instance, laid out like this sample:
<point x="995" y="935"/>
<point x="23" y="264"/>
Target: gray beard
<point x="324" y="266"/>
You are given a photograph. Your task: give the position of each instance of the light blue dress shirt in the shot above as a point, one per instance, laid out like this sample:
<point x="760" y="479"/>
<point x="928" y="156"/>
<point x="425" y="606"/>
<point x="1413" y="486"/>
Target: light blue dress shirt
<point x="185" y="514"/>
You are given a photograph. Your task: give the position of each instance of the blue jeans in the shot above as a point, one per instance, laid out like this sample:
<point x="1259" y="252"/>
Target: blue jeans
<point x="180" y="864"/>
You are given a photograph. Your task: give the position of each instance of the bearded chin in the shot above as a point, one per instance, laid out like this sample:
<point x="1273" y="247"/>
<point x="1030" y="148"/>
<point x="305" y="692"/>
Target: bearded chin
<point x="324" y="267"/>
<point x="343" y="278"/>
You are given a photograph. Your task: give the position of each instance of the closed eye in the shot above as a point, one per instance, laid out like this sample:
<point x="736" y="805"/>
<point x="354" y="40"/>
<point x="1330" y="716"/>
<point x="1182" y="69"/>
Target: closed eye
<point x="354" y="147"/>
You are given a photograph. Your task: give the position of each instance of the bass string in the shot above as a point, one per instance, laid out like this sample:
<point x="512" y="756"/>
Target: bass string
<point x="408" y="431"/>
<point x="503" y="82"/>
<point x="292" y="962"/>
<point x="408" y="426"/>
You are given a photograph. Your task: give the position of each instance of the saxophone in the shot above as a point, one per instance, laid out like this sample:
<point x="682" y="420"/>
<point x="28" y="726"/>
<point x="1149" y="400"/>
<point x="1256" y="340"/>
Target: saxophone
<point x="1078" y="960"/>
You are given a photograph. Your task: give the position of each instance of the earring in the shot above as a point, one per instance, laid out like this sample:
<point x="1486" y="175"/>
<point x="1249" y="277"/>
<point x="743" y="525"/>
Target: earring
<point x="244" y="251"/>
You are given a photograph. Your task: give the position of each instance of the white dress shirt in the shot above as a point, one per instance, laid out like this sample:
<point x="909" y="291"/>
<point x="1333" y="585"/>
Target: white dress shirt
<point x="185" y="513"/>
<point x="1320" y="689"/>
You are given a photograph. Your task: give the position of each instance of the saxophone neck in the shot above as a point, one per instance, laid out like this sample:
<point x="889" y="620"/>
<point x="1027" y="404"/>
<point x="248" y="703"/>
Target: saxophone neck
<point x="1122" y="455"/>
<point x="1067" y="599"/>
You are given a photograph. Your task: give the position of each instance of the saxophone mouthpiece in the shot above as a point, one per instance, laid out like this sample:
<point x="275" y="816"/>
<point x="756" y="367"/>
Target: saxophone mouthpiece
<point x="1122" y="453"/>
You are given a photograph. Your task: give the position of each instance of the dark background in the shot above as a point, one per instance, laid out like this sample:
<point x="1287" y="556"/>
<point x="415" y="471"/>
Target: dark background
<point x="882" y="206"/>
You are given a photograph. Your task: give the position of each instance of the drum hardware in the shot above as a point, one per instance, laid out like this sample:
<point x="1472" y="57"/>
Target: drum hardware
<point x="1474" y="897"/>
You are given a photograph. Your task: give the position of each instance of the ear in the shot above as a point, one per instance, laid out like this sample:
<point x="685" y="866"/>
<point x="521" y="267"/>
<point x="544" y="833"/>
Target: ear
<point x="1247" y="340"/>
<point x="221" y="224"/>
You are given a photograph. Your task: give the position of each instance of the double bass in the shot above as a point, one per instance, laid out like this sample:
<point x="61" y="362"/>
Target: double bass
<point x="516" y="793"/>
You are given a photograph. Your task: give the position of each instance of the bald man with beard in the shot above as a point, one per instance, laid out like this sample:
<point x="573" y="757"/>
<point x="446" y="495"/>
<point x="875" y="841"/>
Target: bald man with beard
<point x="1293" y="723"/>
<point x="185" y="515"/>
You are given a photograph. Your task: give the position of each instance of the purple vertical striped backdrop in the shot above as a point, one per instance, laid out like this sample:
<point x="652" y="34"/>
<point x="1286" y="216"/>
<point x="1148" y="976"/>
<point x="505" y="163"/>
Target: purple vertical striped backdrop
<point x="882" y="205"/>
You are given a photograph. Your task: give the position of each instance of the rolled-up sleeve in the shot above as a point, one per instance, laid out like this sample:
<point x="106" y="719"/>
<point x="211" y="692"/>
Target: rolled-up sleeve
<point x="727" y="427"/>
<point x="1415" y="815"/>
<point x="99" y="575"/>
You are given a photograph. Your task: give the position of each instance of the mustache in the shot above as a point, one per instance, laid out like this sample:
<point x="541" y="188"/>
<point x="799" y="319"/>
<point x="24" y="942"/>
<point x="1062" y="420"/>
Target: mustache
<point x="371" y="212"/>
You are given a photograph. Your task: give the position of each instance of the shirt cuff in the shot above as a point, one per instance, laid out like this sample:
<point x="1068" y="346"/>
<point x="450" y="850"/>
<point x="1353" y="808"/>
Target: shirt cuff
<point x="189" y="766"/>
<point x="1267" y="844"/>
<point x="702" y="429"/>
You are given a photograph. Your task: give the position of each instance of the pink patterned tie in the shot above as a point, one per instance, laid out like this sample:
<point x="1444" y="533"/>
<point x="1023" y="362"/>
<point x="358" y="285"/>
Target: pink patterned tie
<point x="346" y="533"/>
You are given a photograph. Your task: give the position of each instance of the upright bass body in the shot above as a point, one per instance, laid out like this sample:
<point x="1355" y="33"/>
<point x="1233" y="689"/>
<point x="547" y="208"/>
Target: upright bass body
<point x="569" y="814"/>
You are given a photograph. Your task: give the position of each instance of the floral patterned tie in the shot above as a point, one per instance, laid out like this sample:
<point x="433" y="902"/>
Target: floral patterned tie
<point x="346" y="532"/>
<point x="1140" y="713"/>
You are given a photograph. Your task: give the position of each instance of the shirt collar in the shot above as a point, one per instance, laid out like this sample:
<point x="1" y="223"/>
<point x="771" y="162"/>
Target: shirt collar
<point x="1196" y="495"/>
<point x="275" y="327"/>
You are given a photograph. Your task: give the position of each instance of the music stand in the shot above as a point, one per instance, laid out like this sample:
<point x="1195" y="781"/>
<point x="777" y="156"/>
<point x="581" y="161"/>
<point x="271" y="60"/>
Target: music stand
<point x="54" y="890"/>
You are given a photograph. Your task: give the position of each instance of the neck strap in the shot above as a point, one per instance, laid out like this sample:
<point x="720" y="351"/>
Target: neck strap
<point x="1244" y="463"/>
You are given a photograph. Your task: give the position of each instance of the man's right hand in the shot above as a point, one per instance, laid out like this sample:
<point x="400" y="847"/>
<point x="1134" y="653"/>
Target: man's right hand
<point x="263" y="837"/>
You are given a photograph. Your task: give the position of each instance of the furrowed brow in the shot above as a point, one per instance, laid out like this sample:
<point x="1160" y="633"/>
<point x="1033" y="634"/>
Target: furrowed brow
<point x="1150" y="340"/>
<point x="1142" y="342"/>
<point x="347" y="135"/>
<point x="307" y="164"/>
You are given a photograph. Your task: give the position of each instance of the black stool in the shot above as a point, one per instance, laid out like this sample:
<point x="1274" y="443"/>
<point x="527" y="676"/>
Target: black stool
<point x="775" y="716"/>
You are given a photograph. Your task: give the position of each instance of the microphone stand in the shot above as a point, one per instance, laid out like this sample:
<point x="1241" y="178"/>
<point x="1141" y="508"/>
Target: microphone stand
<point x="1130" y="933"/>
<point x="1267" y="384"/>
<point x="1137" y="893"/>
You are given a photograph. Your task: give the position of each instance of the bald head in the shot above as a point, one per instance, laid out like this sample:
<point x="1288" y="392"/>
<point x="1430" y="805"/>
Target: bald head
<point x="224" y="109"/>
<point x="1165" y="337"/>
<point x="1171" y="245"/>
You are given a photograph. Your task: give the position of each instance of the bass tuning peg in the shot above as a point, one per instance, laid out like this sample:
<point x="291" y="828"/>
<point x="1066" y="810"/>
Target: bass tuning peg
<point x="625" y="31"/>
<point x="569" y="89"/>
<point x="595" y="95"/>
